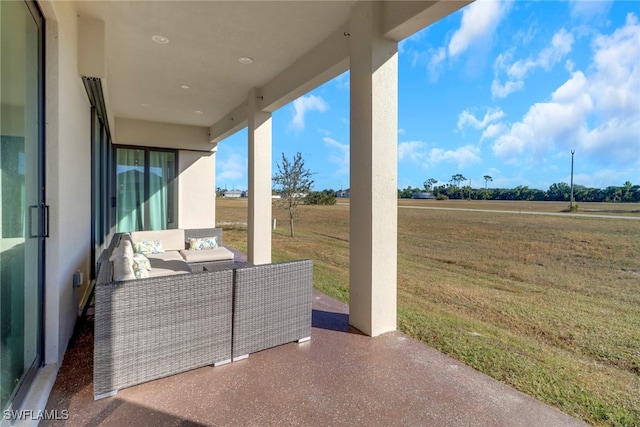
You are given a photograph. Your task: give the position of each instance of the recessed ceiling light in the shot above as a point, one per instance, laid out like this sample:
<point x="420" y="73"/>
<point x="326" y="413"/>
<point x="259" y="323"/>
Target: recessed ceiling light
<point x="145" y="105"/>
<point x="185" y="86"/>
<point x="160" y="39"/>
<point x="245" y="60"/>
<point x="197" y="112"/>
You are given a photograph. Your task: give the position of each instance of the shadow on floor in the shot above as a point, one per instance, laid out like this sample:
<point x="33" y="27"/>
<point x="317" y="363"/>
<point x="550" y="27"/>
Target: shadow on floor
<point x="332" y="321"/>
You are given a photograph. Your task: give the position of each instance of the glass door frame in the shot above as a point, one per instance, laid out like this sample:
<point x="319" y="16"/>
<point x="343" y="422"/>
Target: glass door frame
<point x="43" y="214"/>
<point x="100" y="197"/>
<point x="147" y="165"/>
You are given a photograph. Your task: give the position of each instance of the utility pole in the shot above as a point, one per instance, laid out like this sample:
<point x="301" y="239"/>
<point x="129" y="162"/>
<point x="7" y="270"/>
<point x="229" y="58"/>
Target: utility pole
<point x="571" y="199"/>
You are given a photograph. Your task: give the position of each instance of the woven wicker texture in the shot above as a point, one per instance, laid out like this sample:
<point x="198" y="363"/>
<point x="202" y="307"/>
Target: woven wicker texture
<point x="147" y="329"/>
<point x="272" y="305"/>
<point x="151" y="328"/>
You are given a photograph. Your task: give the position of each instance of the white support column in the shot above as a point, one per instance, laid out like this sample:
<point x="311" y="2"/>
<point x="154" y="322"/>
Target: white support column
<point x="259" y="221"/>
<point x="374" y="174"/>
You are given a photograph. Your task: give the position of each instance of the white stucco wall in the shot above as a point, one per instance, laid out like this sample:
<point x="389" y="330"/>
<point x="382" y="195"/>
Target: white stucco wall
<point x="196" y="164"/>
<point x="163" y="135"/>
<point x="196" y="189"/>
<point x="68" y="176"/>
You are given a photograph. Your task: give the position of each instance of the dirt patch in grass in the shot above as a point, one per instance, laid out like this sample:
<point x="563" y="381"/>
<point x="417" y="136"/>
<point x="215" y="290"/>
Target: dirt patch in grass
<point x="546" y="304"/>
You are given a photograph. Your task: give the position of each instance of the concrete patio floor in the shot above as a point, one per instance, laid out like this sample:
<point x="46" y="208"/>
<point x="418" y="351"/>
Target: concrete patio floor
<point x="340" y="377"/>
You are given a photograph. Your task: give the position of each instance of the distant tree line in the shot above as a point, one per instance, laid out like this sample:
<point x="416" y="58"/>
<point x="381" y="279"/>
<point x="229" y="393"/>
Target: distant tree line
<point x="558" y="192"/>
<point x="324" y="197"/>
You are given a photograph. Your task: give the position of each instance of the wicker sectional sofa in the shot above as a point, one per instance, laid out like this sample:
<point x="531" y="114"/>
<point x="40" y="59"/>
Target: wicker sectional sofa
<point x="154" y="327"/>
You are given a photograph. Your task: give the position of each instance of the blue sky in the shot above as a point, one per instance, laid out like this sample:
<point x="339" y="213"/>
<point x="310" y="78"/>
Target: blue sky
<point x="500" y="88"/>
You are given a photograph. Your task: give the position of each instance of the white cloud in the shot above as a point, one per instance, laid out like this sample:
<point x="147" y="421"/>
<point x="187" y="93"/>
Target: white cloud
<point x="462" y="156"/>
<point x="479" y="21"/>
<point x="401" y="131"/>
<point x="605" y="177"/>
<point x="466" y="118"/>
<point x="617" y="61"/>
<point x="588" y="10"/>
<point x="515" y="72"/>
<point x="303" y="105"/>
<point x="601" y="178"/>
<point x="477" y="26"/>
<point x="499" y="90"/>
<point x="416" y="152"/>
<point x="508" y="147"/>
<point x="231" y="170"/>
<point x="493" y="131"/>
<point x="411" y="150"/>
<point x="560" y="121"/>
<point x="569" y="65"/>
<point x="596" y="112"/>
<point x="435" y="65"/>
<point x="338" y="154"/>
<point x="571" y="90"/>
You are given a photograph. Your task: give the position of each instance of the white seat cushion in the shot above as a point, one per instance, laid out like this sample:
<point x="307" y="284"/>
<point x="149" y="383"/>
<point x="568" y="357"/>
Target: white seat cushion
<point x="167" y="263"/>
<point x="165" y="256"/>
<point x="217" y="254"/>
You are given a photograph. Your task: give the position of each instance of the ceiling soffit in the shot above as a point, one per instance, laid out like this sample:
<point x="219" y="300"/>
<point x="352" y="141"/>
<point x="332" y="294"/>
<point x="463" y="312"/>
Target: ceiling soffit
<point x="197" y="79"/>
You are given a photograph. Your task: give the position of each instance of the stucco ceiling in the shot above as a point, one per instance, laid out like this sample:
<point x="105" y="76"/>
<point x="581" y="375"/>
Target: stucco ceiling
<point x="295" y="46"/>
<point x="206" y="39"/>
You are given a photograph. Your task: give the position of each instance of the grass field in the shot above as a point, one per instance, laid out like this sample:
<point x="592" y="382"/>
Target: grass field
<point x="547" y="304"/>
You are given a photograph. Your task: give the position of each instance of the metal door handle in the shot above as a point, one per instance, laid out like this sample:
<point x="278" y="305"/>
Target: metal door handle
<point x="31" y="235"/>
<point x="45" y="220"/>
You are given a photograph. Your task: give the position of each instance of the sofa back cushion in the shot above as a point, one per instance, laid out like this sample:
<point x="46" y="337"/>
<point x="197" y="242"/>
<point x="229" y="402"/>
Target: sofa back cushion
<point x="172" y="240"/>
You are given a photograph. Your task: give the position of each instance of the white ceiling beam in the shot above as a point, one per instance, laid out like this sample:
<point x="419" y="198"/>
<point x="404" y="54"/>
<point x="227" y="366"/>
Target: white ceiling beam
<point x="229" y="124"/>
<point x="404" y="18"/>
<point x="330" y="58"/>
<point x="323" y="62"/>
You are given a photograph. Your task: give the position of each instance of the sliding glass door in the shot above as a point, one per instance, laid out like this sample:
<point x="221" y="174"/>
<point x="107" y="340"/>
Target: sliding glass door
<point x="100" y="211"/>
<point x="22" y="228"/>
<point x="162" y="170"/>
<point x="145" y="189"/>
<point x="130" y="171"/>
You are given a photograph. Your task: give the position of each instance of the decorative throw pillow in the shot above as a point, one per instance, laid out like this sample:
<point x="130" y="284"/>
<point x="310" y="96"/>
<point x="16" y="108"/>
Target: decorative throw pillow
<point x="122" y="269"/>
<point x="149" y="247"/>
<point x="118" y="252"/>
<point x="127" y="249"/>
<point x="140" y="271"/>
<point x="142" y="261"/>
<point x="203" y="243"/>
<point x="124" y="249"/>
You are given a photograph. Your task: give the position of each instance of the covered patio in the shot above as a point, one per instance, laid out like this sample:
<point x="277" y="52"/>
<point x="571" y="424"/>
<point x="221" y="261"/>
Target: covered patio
<point x="180" y="77"/>
<point x="186" y="75"/>
<point x="340" y="377"/>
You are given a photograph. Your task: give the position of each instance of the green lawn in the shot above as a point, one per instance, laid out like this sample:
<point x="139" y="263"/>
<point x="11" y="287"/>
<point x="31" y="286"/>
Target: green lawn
<point x="547" y="304"/>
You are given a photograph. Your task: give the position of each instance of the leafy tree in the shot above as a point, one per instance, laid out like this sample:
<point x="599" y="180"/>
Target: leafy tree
<point x="457" y="179"/>
<point x="559" y="192"/>
<point x="613" y="194"/>
<point x="454" y="190"/>
<point x="324" y="197"/>
<point x="408" y="192"/>
<point x="294" y="183"/>
<point x="429" y="183"/>
<point x="487" y="178"/>
<point x="627" y="196"/>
